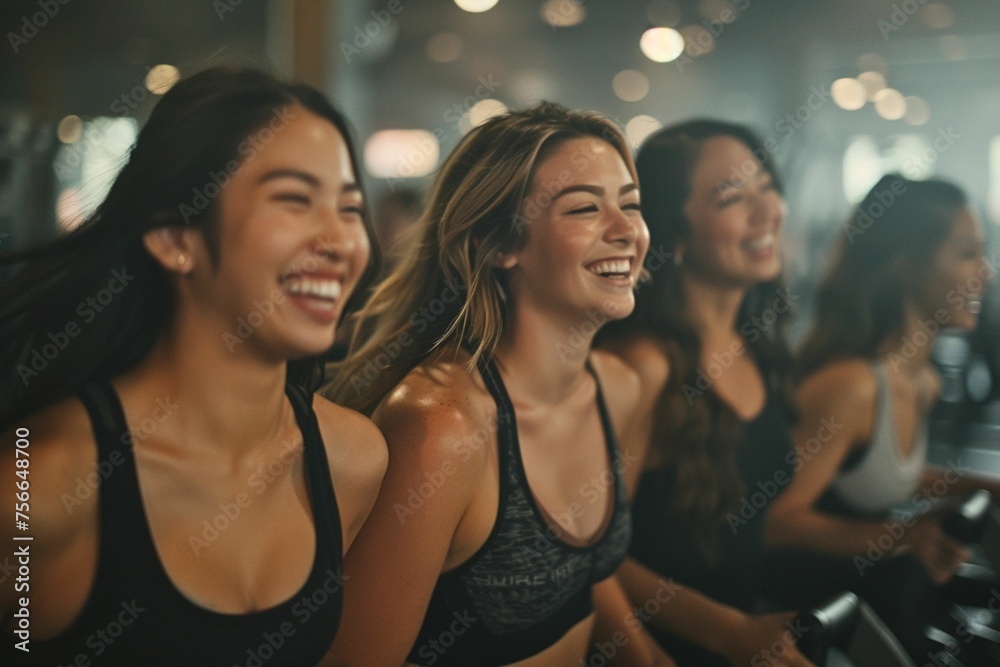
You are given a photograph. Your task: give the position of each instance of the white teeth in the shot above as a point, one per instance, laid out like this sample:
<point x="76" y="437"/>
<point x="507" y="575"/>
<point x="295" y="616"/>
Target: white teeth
<point x="620" y="266"/>
<point x="763" y="243"/>
<point x="973" y="306"/>
<point x="321" y="289"/>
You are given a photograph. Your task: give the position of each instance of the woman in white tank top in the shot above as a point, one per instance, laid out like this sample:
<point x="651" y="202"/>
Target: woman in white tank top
<point x="910" y="263"/>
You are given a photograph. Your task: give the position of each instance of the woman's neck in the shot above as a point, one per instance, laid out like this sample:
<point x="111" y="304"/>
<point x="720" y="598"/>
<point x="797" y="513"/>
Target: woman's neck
<point x="909" y="349"/>
<point x="544" y="357"/>
<point x="223" y="394"/>
<point x="711" y="309"/>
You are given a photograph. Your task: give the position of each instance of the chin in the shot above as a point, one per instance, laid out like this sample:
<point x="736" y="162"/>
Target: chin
<point x="618" y="308"/>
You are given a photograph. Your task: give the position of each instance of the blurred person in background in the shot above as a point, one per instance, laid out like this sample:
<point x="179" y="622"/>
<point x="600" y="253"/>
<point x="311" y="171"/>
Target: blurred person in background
<point x="910" y="263"/>
<point x="707" y="339"/>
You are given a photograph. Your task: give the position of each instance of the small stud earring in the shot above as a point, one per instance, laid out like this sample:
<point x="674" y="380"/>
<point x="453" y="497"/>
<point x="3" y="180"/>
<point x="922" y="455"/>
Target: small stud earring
<point x="181" y="259"/>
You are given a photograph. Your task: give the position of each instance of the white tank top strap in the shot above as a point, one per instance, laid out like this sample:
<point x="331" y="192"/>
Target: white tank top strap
<point x="884" y="477"/>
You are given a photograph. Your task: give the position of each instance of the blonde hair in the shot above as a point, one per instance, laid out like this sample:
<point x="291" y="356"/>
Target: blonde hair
<point x="447" y="289"/>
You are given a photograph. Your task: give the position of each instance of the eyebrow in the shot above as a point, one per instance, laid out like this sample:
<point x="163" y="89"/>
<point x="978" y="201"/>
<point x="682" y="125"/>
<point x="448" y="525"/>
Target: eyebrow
<point x="306" y="177"/>
<point x="758" y="175"/>
<point x="594" y="190"/>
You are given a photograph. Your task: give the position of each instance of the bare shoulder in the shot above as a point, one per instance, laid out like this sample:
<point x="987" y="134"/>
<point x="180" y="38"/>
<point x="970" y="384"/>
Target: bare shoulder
<point x="647" y="356"/>
<point x="357" y="456"/>
<point x="355" y="441"/>
<point x="438" y="411"/>
<point x="61" y="469"/>
<point x="621" y="384"/>
<point x="845" y="389"/>
<point x="847" y="380"/>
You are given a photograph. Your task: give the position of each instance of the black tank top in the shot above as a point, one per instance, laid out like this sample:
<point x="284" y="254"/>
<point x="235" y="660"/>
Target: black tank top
<point x="764" y="459"/>
<point x="525" y="587"/>
<point x="135" y="616"/>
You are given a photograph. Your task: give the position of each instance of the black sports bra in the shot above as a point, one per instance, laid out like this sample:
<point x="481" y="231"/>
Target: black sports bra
<point x="134" y="615"/>
<point x="525" y="587"/>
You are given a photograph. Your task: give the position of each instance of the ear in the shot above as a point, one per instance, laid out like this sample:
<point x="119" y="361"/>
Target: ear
<point x="173" y="247"/>
<point x="505" y="260"/>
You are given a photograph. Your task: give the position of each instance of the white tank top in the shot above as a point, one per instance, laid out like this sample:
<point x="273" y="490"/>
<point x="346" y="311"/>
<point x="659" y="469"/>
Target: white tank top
<point x="884" y="477"/>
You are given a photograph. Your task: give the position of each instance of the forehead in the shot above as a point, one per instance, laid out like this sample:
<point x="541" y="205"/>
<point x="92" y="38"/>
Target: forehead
<point x="299" y="139"/>
<point x="580" y="160"/>
<point x="723" y="158"/>
<point x="965" y="226"/>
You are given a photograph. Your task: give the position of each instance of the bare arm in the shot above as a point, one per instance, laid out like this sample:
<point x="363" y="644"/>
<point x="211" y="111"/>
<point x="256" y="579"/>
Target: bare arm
<point x="836" y="410"/>
<point x="619" y="631"/>
<point x="688" y="614"/>
<point x="391" y="569"/>
<point x="59" y="455"/>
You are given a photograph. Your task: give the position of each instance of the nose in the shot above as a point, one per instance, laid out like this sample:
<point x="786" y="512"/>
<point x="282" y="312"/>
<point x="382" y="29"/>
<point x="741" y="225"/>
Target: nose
<point x="769" y="208"/>
<point x="624" y="229"/>
<point x="338" y="234"/>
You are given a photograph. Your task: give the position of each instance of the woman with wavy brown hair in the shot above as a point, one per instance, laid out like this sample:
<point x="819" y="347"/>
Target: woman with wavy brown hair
<point x="504" y="514"/>
<point x="707" y="339"/>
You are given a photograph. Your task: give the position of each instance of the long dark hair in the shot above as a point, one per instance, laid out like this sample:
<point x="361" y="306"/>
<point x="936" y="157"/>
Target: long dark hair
<point x="696" y="434"/>
<point x="879" y="264"/>
<point x="195" y="135"/>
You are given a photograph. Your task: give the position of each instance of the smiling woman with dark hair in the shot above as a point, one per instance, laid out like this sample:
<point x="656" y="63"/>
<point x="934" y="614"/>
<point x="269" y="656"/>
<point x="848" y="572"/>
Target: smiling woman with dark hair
<point x="910" y="263"/>
<point x="707" y="339"/>
<point x="212" y="522"/>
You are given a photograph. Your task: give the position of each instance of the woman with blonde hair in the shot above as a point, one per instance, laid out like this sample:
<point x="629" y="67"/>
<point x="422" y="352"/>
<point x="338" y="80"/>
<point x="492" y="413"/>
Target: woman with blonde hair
<point x="504" y="504"/>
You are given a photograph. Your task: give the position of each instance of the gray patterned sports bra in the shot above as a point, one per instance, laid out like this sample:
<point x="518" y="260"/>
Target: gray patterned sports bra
<point x="525" y="587"/>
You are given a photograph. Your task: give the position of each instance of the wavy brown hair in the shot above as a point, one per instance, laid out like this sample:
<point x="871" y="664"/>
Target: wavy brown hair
<point x="696" y="434"/>
<point x="879" y="264"/>
<point x="446" y="288"/>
